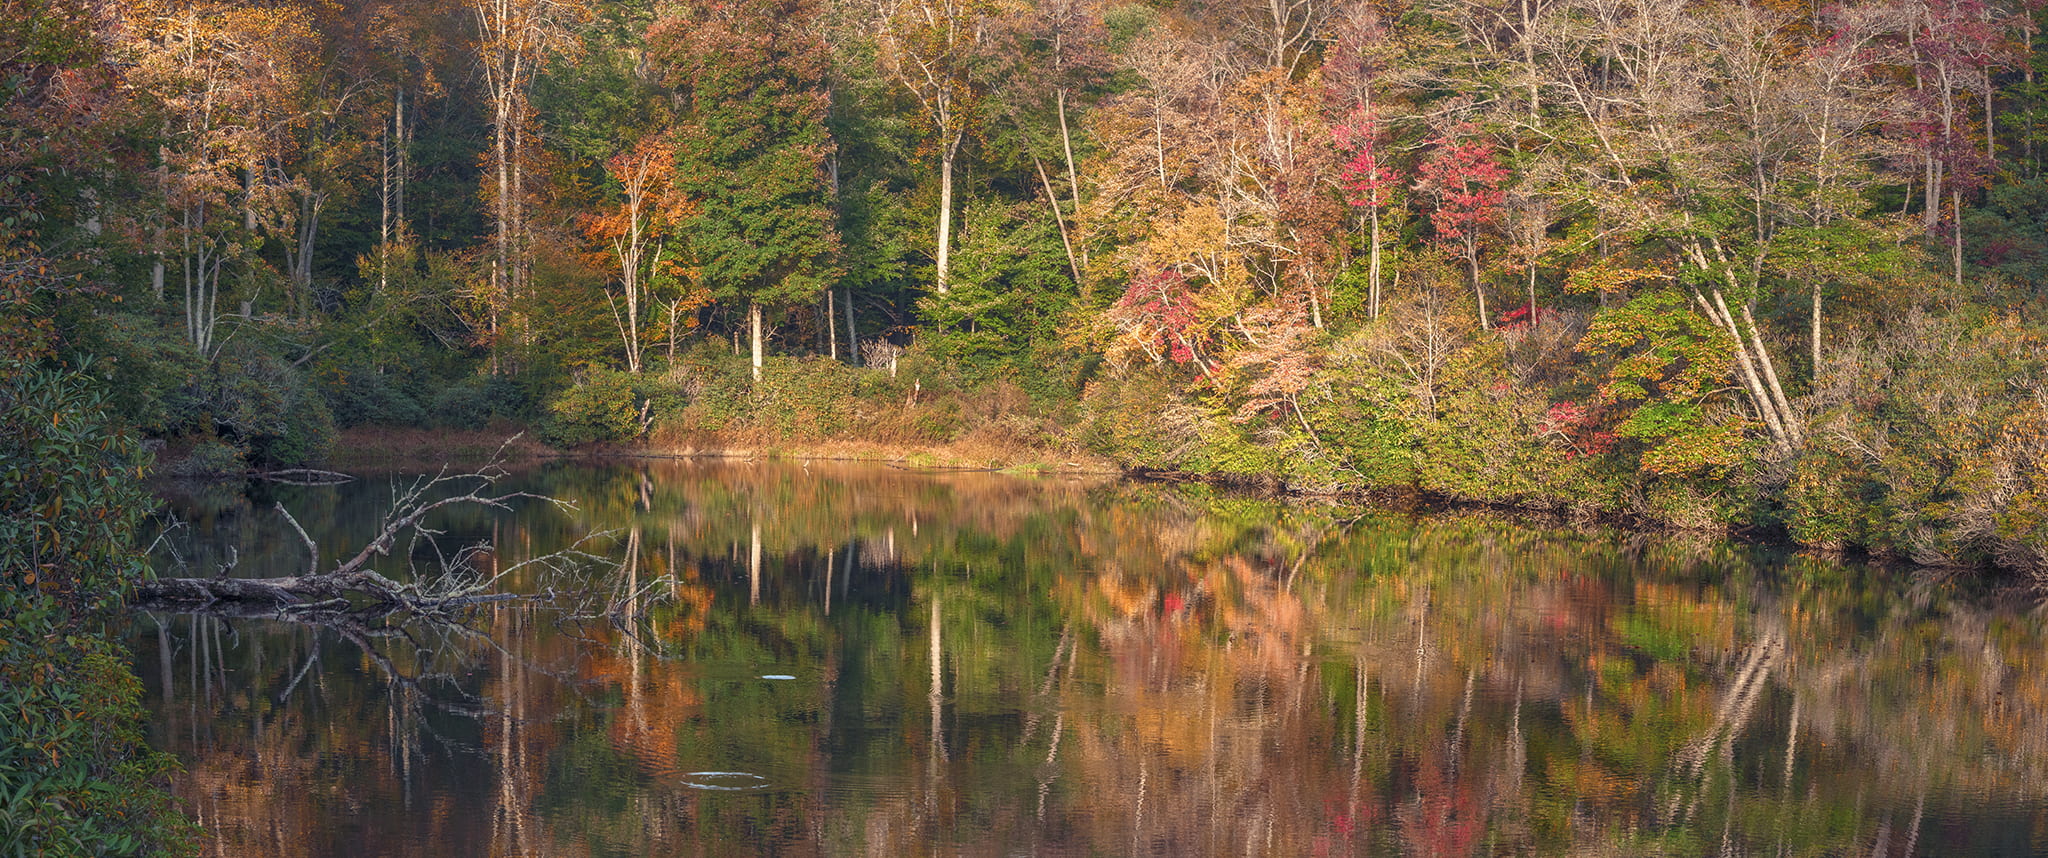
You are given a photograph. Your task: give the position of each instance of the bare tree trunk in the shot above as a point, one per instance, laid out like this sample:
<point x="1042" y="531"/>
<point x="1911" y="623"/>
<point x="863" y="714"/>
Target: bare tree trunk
<point x="675" y="309"/>
<point x="404" y="158"/>
<point x="391" y="190"/>
<point x="1770" y="366"/>
<point x="951" y="151"/>
<point x="754" y="319"/>
<point x="521" y="269"/>
<point x="1955" y="196"/>
<point x="1816" y="331"/>
<point x="1073" y="181"/>
<point x="249" y="197"/>
<point x="1716" y="310"/>
<point x="1472" y="259"/>
<point x="501" y="234"/>
<point x="1159" y="142"/>
<point x="299" y="254"/>
<point x="832" y="321"/>
<point x="384" y="201"/>
<point x="2027" y="75"/>
<point x="1053" y="200"/>
<point x="852" y="333"/>
<point x="1532" y="294"/>
<point x="1373" y="264"/>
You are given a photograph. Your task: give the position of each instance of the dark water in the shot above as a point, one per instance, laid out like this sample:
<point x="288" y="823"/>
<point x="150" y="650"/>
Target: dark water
<point x="866" y="661"/>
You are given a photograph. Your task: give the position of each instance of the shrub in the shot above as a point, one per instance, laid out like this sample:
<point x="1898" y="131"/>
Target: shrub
<point x="606" y="406"/>
<point x="358" y="396"/>
<point x="211" y="457"/>
<point x="1930" y="445"/>
<point x="75" y="775"/>
<point x="256" y="400"/>
<point x="477" y="401"/>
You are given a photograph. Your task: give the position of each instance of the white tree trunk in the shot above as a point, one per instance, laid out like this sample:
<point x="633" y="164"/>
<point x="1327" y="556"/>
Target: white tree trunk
<point x="754" y="317"/>
<point x="1372" y="268"/>
<point x="951" y="150"/>
<point x="1073" y="181"/>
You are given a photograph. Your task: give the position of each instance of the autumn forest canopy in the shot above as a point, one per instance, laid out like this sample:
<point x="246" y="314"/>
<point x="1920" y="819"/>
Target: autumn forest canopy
<point x="1771" y="266"/>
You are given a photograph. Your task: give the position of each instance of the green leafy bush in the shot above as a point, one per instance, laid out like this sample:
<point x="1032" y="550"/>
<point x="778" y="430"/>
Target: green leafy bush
<point x="606" y="406"/>
<point x="477" y="401"/>
<point x="358" y="396"/>
<point x="75" y="775"/>
<point x="211" y="457"/>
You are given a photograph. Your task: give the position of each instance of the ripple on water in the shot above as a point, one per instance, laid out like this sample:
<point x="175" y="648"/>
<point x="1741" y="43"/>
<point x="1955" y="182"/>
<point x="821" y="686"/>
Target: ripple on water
<point x="724" y="781"/>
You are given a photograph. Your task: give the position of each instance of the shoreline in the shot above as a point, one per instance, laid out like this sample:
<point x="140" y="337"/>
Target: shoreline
<point x="375" y="448"/>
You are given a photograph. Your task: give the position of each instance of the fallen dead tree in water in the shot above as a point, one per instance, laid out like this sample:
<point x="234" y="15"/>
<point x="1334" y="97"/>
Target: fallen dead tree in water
<point x="352" y="583"/>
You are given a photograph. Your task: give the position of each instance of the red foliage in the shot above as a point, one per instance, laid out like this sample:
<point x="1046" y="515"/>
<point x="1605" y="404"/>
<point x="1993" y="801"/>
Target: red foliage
<point x="1364" y="175"/>
<point x="1162" y="306"/>
<point x="1579" y="427"/>
<point x="1465" y="180"/>
<point x="1520" y="317"/>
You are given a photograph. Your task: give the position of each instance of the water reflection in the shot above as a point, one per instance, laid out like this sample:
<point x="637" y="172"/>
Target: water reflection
<point x="867" y="661"/>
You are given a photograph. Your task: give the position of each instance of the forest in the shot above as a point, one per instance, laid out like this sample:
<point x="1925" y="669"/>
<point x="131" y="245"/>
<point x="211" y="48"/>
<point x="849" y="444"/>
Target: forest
<point x="1769" y="267"/>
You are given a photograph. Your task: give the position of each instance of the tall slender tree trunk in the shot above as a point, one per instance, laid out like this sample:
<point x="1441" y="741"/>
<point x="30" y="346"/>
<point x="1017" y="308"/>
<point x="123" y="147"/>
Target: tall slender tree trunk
<point x="1472" y="260"/>
<point x="384" y="216"/>
<point x="754" y="319"/>
<point x="1816" y="332"/>
<point x="299" y="254"/>
<point x="391" y="190"/>
<point x="1373" y="264"/>
<point x="1746" y="370"/>
<point x="1955" y="196"/>
<point x="521" y="271"/>
<point x="2027" y="76"/>
<point x="501" y="237"/>
<point x="1532" y="294"/>
<point x="404" y="159"/>
<point x="1770" y="367"/>
<point x="1060" y="220"/>
<point x="852" y="332"/>
<point x="1073" y="180"/>
<point x="949" y="154"/>
<point x="832" y="322"/>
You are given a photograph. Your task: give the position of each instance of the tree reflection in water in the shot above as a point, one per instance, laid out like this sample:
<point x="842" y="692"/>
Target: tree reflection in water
<point x="992" y="665"/>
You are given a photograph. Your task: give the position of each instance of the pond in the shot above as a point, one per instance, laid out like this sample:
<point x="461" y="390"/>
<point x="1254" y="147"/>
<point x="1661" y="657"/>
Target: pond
<point x="782" y="659"/>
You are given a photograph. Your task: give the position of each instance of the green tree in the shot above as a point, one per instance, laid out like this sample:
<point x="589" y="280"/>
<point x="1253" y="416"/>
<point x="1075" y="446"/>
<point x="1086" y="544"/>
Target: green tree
<point x="752" y="149"/>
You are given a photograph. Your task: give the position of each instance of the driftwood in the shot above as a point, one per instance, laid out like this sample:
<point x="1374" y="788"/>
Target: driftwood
<point x="352" y="583"/>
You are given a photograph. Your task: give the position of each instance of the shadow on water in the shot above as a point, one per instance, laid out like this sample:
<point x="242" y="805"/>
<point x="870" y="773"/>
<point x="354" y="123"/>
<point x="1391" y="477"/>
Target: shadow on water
<point x="855" y="660"/>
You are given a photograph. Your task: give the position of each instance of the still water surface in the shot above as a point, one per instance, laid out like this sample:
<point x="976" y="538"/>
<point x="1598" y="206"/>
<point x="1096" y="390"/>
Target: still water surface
<point x="868" y="661"/>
